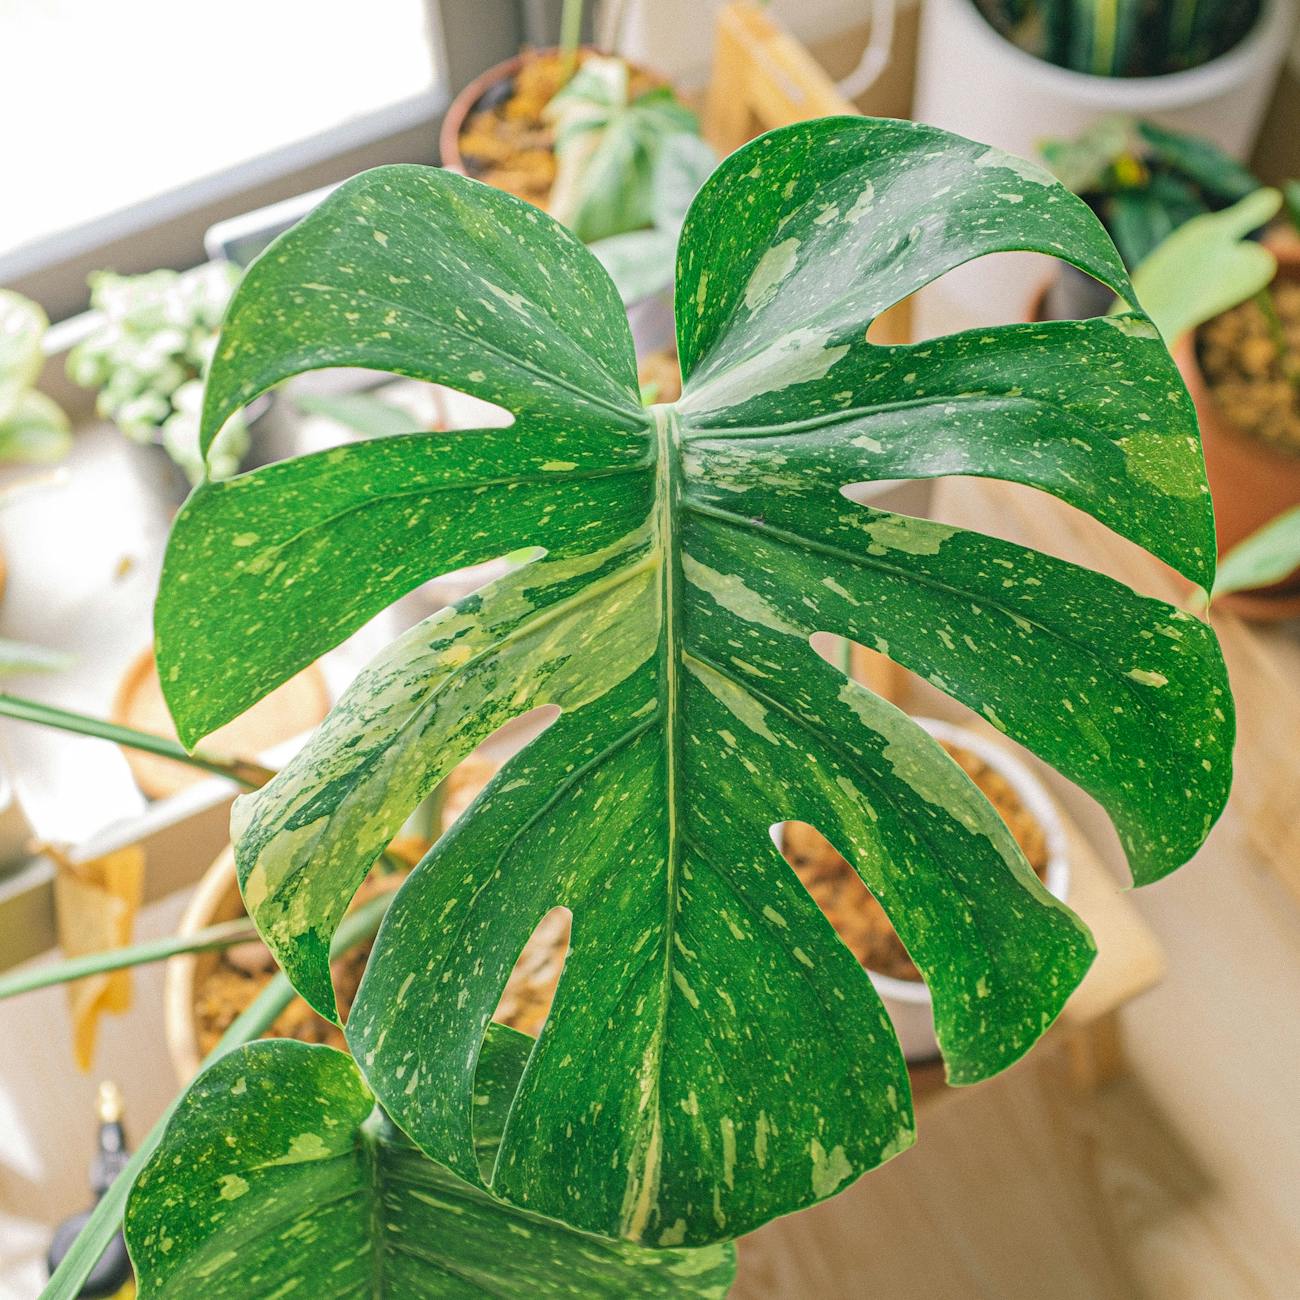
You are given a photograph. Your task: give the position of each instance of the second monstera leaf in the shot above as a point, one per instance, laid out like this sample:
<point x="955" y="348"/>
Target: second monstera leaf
<point x="714" y="1056"/>
<point x="278" y="1174"/>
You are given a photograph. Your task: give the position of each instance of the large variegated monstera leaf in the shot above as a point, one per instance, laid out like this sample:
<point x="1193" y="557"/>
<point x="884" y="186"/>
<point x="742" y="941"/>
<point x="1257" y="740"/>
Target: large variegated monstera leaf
<point x="279" y="1175"/>
<point x="714" y="1056"/>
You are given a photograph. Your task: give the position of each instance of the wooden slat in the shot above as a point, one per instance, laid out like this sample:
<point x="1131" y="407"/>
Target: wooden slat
<point x="762" y="78"/>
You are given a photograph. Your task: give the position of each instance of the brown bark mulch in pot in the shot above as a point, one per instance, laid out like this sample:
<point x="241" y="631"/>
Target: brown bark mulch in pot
<point x="1256" y="385"/>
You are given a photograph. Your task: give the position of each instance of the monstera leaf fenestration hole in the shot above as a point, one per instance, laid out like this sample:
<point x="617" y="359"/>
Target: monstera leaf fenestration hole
<point x="714" y="1056"/>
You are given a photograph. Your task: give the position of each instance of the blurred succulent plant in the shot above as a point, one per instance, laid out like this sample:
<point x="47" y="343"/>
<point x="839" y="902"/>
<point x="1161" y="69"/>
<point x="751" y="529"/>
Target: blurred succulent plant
<point x="1123" y="38"/>
<point x="33" y="429"/>
<point x="148" y="357"/>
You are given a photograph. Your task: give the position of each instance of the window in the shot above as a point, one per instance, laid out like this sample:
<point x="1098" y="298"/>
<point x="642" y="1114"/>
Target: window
<point x="128" y="100"/>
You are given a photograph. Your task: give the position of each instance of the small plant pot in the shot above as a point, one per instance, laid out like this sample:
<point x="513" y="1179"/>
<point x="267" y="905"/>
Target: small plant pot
<point x="1251" y="484"/>
<point x="908" y="1001"/>
<point x="488" y="88"/>
<point x="215" y="899"/>
<point x="193" y="980"/>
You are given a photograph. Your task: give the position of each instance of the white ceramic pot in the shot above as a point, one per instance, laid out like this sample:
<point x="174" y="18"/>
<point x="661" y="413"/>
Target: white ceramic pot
<point x="975" y="82"/>
<point x="908" y="1001"/>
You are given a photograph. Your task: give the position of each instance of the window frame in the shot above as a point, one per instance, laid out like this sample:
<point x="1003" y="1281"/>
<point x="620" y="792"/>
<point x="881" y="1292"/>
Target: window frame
<point x="167" y="229"/>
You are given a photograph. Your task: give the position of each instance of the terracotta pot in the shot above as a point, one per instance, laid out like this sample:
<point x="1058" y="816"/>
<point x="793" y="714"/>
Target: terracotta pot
<point x="1251" y="482"/>
<point x="492" y="86"/>
<point x="453" y="123"/>
<point x="215" y="899"/>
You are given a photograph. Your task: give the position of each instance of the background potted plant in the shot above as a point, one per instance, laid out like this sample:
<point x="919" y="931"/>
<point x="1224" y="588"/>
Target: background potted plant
<point x="688" y="553"/>
<point x="33" y="428"/>
<point x="1143" y="181"/>
<point x="591" y="138"/>
<point x="147" y="352"/>
<point x="973" y="78"/>
<point x="1230" y="307"/>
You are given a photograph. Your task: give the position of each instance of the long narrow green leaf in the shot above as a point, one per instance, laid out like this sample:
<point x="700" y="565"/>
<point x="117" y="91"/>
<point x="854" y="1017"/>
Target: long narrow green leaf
<point x="224" y="935"/>
<point x="245" y="773"/>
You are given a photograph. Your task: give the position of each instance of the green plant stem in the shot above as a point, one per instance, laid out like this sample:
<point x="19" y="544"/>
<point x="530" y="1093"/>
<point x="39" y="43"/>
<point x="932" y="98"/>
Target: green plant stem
<point x="248" y="774"/>
<point x="570" y="34"/>
<point x="224" y="935"/>
<point x="106" y="1218"/>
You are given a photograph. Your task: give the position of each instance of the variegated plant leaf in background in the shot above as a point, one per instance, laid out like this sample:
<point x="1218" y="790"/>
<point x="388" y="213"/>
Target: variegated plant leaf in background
<point x="279" y="1172"/>
<point x="642" y="262"/>
<point x="715" y="1056"/>
<point x="607" y="146"/>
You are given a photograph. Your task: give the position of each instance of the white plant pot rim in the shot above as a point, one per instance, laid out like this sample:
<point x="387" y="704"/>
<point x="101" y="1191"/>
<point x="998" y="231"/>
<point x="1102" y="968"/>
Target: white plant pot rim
<point x="1038" y="803"/>
<point x="1171" y="90"/>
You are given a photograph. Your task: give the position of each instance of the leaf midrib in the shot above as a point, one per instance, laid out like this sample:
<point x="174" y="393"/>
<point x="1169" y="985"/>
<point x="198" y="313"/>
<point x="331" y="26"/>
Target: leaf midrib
<point x="667" y="530"/>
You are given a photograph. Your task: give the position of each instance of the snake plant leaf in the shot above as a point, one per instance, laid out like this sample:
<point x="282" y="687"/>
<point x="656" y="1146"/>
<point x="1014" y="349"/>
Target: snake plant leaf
<point x="714" y="1056"/>
<point x="278" y="1171"/>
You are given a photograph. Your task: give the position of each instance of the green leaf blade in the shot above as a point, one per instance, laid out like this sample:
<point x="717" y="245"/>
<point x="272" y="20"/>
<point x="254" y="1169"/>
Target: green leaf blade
<point x="401" y="244"/>
<point x="318" y="1189"/>
<point x="385" y="509"/>
<point x="798" y="259"/>
<point x="1091" y="411"/>
<point x="707" y="1065"/>
<point x="981" y="620"/>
